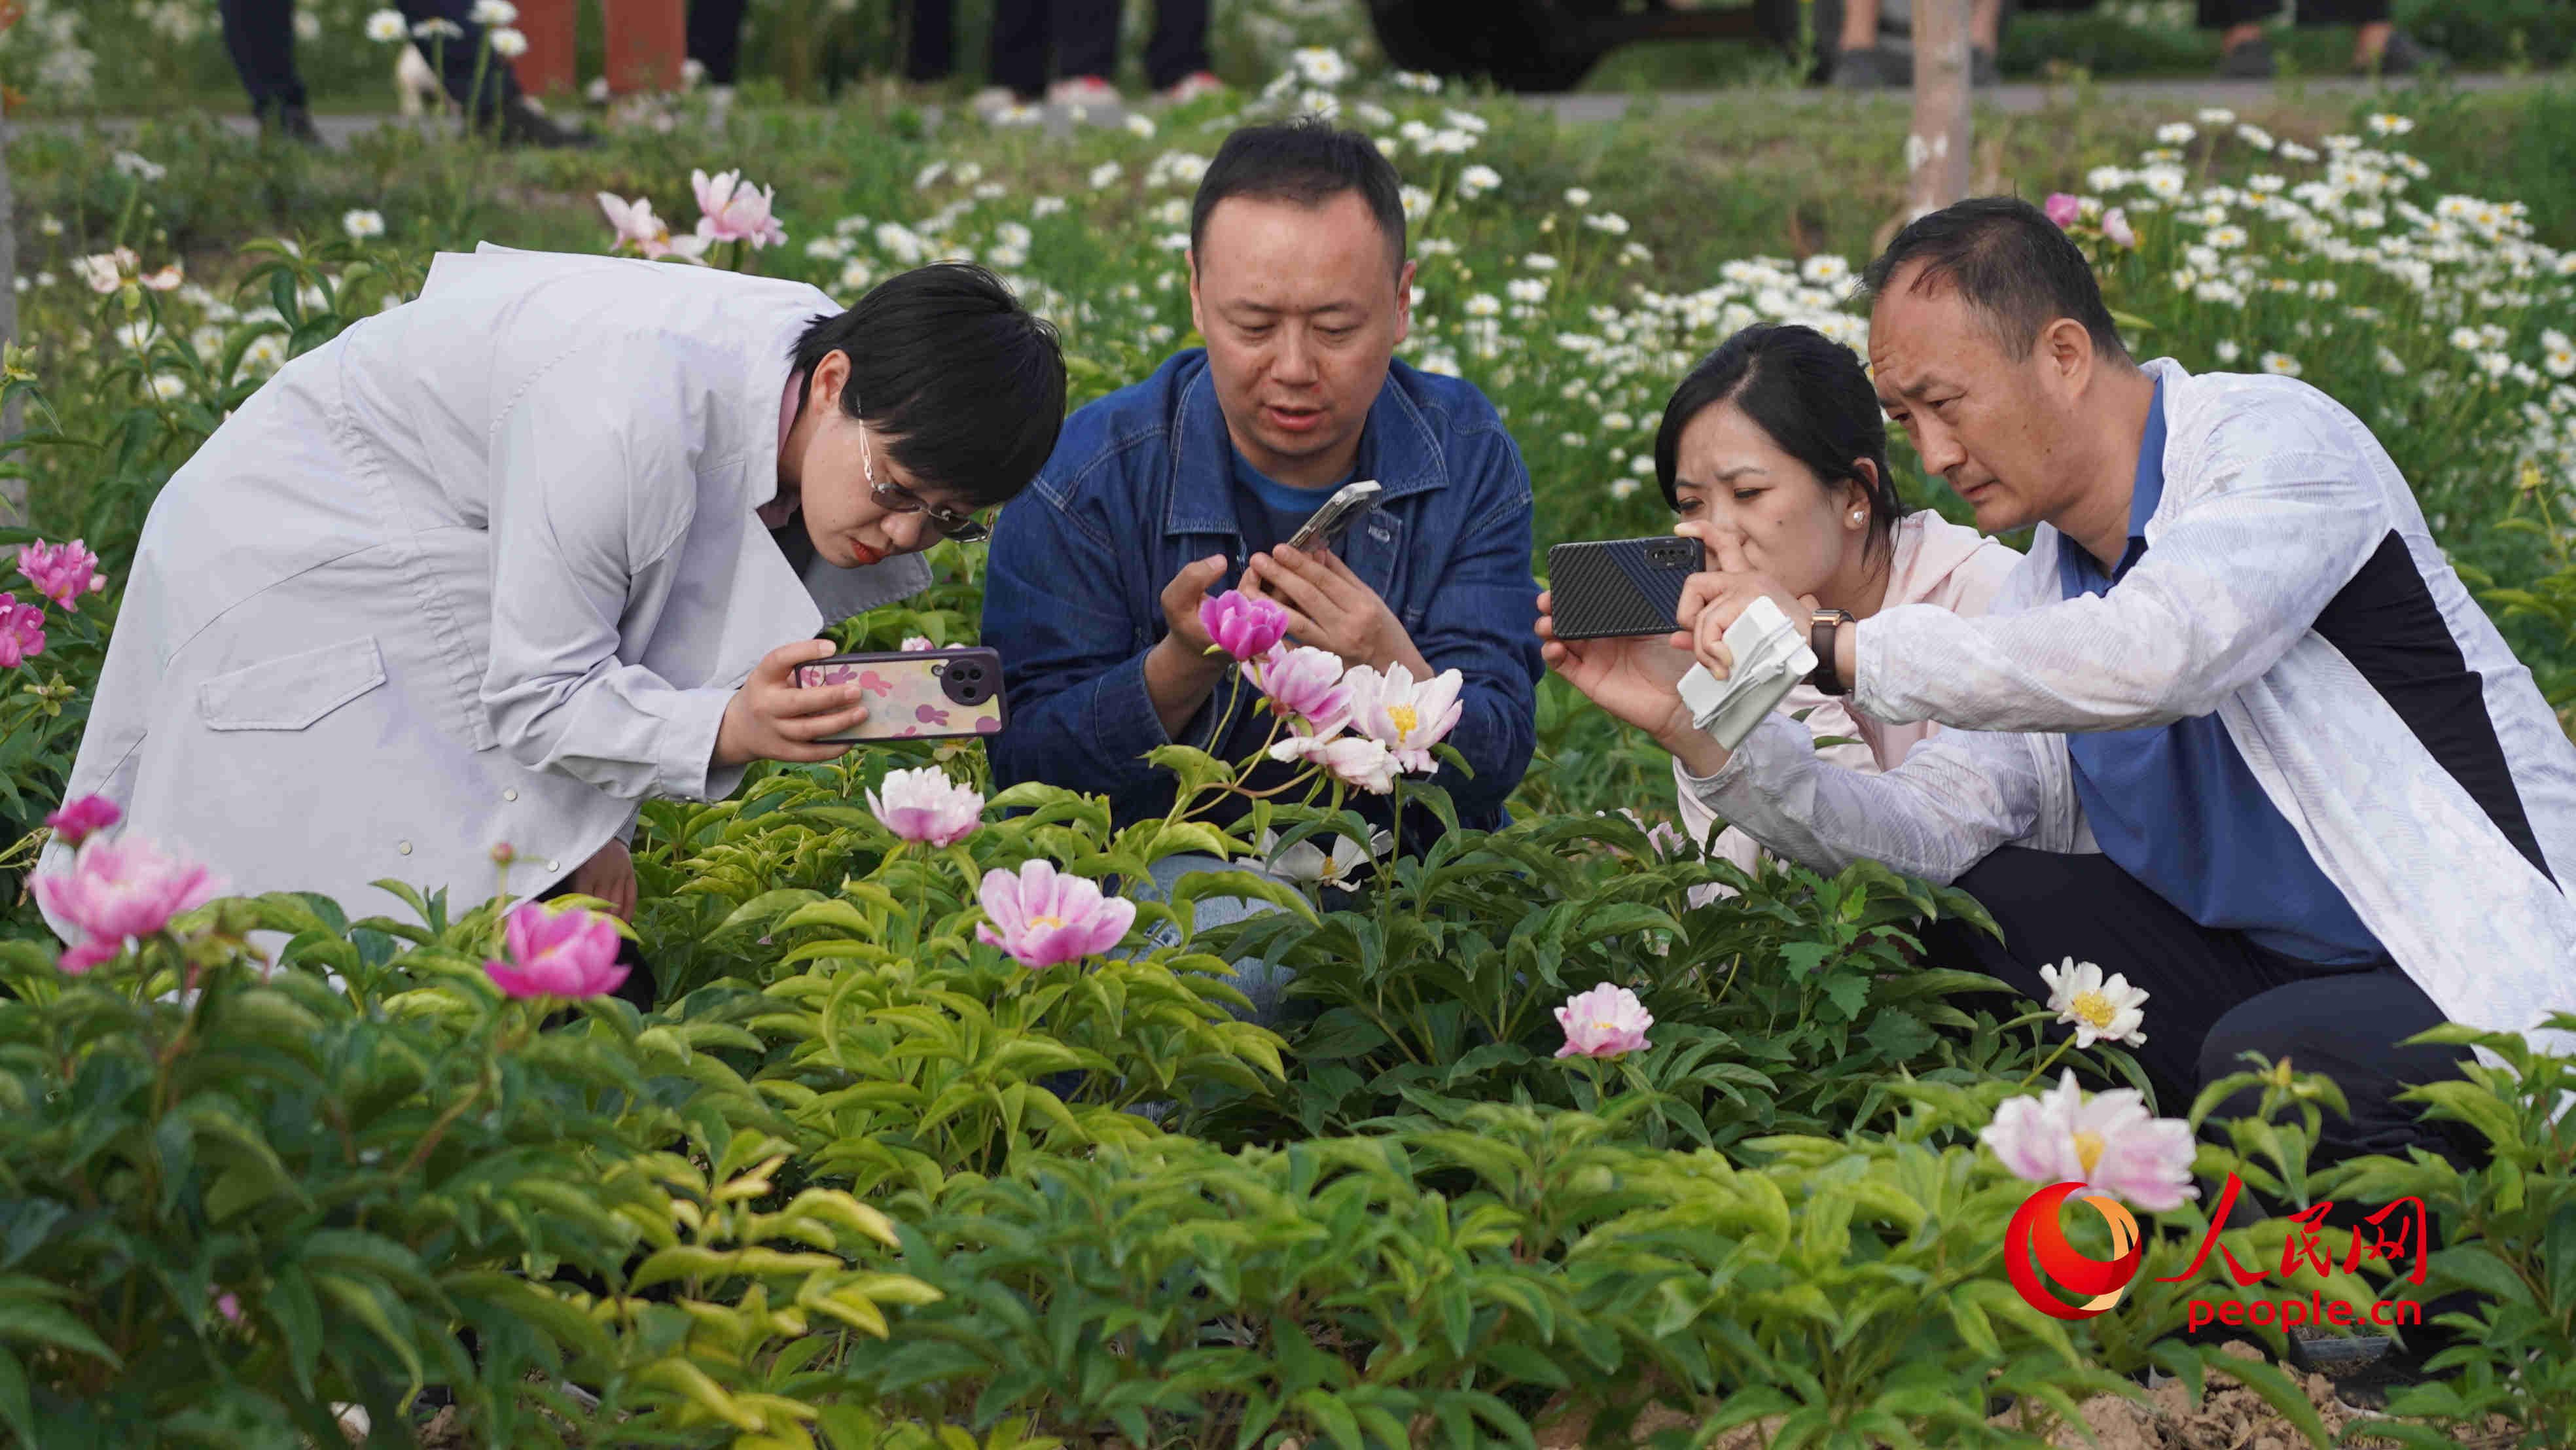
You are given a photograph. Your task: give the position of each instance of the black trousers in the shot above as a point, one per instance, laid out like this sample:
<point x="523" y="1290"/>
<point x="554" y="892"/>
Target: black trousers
<point x="715" y="38"/>
<point x="2221" y="14"/>
<point x="260" y="37"/>
<point x="2214" y="995"/>
<point x="1084" y="34"/>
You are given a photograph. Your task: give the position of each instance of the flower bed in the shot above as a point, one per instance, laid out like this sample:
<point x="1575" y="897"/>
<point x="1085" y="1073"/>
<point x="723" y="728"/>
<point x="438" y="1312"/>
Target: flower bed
<point x="936" y="1132"/>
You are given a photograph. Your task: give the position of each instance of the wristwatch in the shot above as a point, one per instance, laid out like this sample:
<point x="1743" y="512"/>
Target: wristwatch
<point x="1822" y="641"/>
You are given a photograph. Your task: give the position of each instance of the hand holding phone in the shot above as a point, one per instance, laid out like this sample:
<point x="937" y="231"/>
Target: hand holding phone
<point x="931" y="694"/>
<point x="1339" y="512"/>
<point x="771" y="718"/>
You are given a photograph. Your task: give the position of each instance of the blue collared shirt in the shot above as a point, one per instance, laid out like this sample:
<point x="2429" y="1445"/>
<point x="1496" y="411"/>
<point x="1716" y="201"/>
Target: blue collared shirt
<point x="2177" y="807"/>
<point x="1142" y="483"/>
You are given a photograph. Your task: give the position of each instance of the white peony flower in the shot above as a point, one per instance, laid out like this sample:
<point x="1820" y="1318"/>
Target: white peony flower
<point x="2098" y="1010"/>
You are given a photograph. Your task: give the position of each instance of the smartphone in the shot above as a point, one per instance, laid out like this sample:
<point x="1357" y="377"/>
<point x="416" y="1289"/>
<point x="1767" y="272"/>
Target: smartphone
<point x="1337" y="515"/>
<point x="928" y="694"/>
<point x="1611" y="588"/>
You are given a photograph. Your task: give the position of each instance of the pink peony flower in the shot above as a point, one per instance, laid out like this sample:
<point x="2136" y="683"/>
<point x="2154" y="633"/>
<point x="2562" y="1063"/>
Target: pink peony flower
<point x="1604" y="1022"/>
<point x="117" y="889"/>
<point x="2063" y="209"/>
<point x="2116" y="229"/>
<point x="78" y="819"/>
<point x="76" y="961"/>
<point x="1406" y="717"/>
<point x="1306" y="685"/>
<point x="571" y="953"/>
<point x="915" y="643"/>
<point x="61" y="572"/>
<point x="1242" y="625"/>
<point x="2107" y="1142"/>
<point x="165" y="280"/>
<point x="925" y="805"/>
<point x="1356" y="760"/>
<point x="1042" y="917"/>
<point x="732" y="209"/>
<point x="22" y="631"/>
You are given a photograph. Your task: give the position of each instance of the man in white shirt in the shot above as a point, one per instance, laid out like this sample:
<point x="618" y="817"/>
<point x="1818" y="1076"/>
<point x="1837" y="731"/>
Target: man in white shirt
<point x="2234" y="728"/>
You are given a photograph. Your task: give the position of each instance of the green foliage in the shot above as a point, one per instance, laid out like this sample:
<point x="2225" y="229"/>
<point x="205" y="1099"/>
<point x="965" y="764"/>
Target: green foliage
<point x="1331" y="1292"/>
<point x="2506" y="1231"/>
<point x="1101" y="1204"/>
<point x="235" y="1199"/>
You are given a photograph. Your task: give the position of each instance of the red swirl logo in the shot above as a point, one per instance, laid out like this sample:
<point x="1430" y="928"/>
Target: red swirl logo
<point x="2035" y="1233"/>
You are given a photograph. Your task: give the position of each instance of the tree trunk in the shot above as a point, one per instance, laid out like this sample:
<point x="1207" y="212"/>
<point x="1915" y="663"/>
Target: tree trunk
<point x="1936" y="154"/>
<point x="13" y="491"/>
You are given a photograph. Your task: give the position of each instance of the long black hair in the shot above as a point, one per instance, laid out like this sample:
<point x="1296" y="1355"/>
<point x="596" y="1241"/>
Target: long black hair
<point x="1805" y="390"/>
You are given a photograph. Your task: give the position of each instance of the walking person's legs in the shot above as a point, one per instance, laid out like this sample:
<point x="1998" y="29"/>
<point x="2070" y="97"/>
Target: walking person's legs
<point x="1178" y="51"/>
<point x="715" y="38"/>
<point x="259" y="35"/>
<point x="1086" y="50"/>
<point x="930" y="51"/>
<point x="484" y="85"/>
<point x="1019" y="47"/>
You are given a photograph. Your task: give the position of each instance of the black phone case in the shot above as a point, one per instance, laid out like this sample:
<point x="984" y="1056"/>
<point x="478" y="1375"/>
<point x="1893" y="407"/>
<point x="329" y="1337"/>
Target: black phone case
<point x="1611" y="588"/>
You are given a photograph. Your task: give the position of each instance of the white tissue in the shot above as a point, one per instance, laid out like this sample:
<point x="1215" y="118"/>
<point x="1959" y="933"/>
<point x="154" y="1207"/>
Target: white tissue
<point x="1771" y="657"/>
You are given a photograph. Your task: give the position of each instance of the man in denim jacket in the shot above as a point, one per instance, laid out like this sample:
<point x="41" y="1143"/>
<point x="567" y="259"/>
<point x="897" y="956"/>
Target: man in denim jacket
<point x="1191" y="480"/>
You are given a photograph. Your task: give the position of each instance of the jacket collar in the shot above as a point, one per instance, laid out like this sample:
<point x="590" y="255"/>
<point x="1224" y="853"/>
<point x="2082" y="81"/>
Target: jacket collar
<point x="1397" y="448"/>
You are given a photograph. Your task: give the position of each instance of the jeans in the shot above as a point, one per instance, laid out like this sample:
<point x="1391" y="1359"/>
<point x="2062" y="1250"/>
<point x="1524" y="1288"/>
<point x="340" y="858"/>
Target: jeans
<point x="1265" y="984"/>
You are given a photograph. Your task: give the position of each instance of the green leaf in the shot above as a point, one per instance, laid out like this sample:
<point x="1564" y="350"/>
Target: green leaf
<point x="17" y="1407"/>
<point x="32" y="1320"/>
<point x="1899" y="1034"/>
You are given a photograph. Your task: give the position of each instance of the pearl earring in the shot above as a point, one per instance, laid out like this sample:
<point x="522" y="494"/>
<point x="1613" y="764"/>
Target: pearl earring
<point x="1859" y="517"/>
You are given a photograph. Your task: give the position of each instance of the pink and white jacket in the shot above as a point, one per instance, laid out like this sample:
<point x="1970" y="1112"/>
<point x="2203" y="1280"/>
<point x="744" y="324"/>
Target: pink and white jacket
<point x="1935" y="562"/>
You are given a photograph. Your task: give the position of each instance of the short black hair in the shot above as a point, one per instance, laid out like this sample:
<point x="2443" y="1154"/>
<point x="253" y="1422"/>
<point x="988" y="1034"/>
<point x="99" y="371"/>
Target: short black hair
<point x="1305" y="161"/>
<point x="2010" y="262"/>
<point x="944" y="360"/>
<point x="1805" y="390"/>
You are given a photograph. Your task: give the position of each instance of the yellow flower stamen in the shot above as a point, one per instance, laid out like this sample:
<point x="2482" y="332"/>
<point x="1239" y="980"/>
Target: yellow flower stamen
<point x="1404" y="717"/>
<point x="1048" y="922"/>
<point x="2094" y="1008"/>
<point x="2088" y="1149"/>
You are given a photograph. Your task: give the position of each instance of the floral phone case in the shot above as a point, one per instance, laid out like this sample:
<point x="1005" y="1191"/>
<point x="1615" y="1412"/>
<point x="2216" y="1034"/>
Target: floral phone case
<point x="918" y="694"/>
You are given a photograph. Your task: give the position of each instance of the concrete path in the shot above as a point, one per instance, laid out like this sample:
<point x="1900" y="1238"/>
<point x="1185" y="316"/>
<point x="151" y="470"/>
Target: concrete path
<point x="2014" y="99"/>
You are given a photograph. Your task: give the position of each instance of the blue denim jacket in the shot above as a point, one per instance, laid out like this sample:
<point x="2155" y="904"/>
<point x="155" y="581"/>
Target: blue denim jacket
<point x="1141" y="484"/>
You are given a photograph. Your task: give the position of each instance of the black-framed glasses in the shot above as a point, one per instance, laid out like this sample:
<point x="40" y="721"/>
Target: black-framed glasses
<point x="894" y="498"/>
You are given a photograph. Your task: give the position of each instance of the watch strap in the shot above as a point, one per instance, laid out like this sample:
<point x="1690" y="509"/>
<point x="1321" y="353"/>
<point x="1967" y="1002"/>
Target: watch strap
<point x="1821" y="639"/>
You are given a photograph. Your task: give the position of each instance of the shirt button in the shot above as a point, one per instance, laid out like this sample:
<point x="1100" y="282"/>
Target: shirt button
<point x="509" y="795"/>
<point x="403" y="846"/>
<point x="551" y="866"/>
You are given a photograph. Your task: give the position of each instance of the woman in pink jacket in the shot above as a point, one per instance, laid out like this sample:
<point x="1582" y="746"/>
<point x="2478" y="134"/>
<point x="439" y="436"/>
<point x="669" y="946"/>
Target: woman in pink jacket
<point x="1774" y="444"/>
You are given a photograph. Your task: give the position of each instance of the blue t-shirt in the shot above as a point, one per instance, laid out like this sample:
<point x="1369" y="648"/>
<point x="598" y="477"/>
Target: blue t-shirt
<point x="1269" y="512"/>
<point x="2177" y="807"/>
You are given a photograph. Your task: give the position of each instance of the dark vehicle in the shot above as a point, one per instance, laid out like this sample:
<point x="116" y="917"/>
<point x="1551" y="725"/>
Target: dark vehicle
<point x="1549" y="45"/>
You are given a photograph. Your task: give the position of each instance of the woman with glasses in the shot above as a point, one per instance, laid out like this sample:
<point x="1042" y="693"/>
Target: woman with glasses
<point x="500" y="564"/>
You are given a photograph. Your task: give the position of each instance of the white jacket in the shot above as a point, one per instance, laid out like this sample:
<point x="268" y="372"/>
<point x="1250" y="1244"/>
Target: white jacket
<point x="2286" y="558"/>
<point x="484" y="568"/>
<point x="1930" y="561"/>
